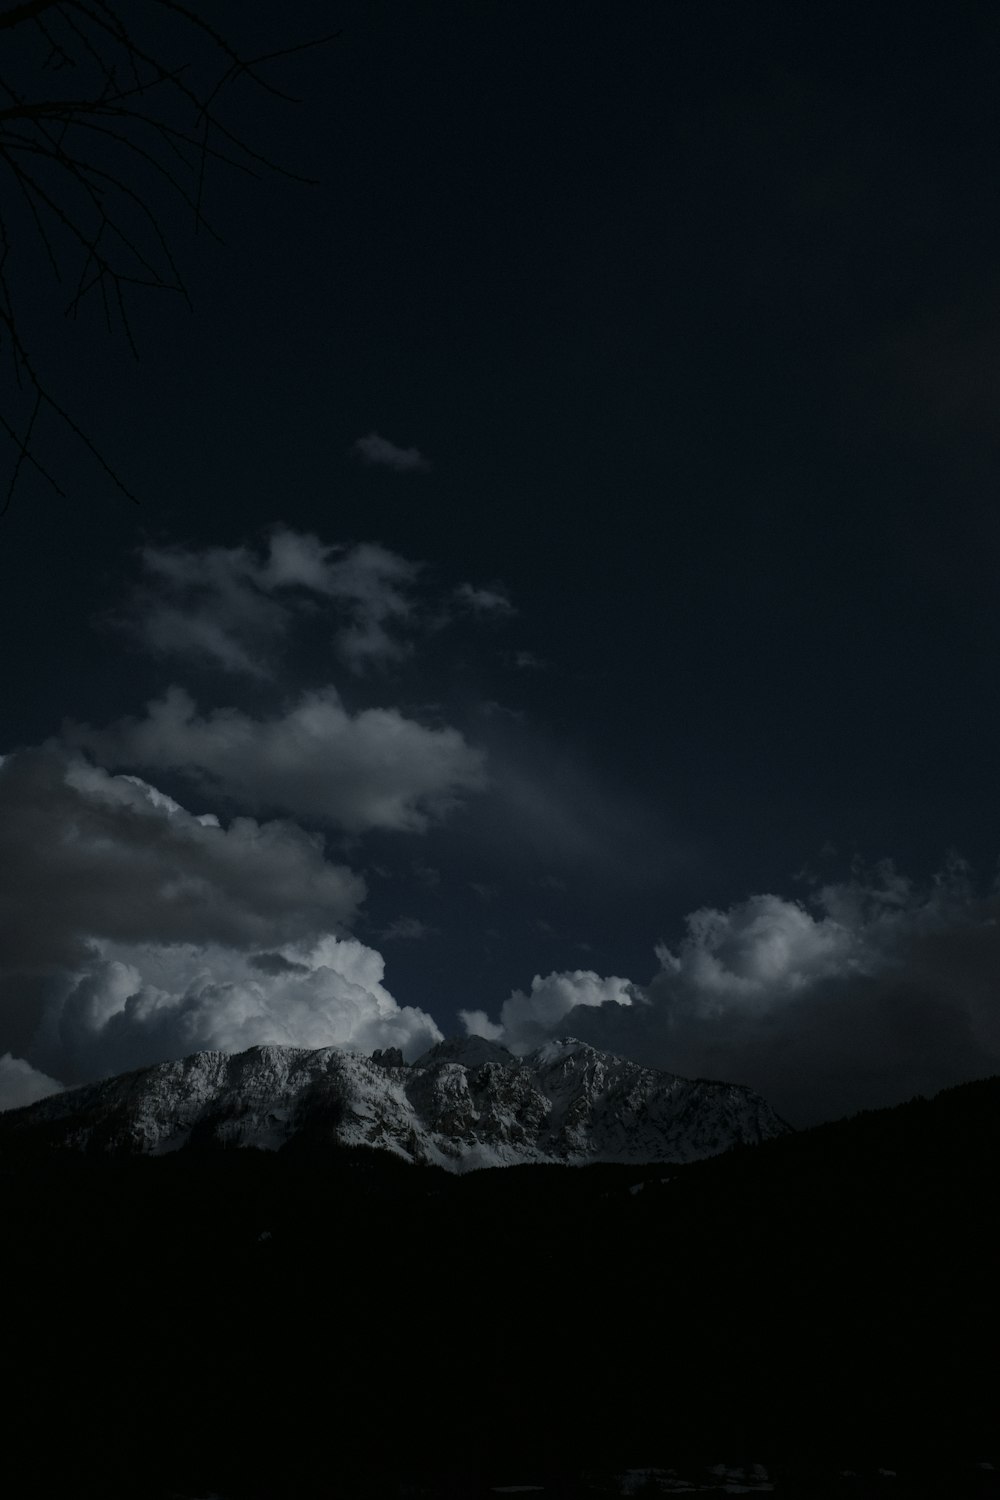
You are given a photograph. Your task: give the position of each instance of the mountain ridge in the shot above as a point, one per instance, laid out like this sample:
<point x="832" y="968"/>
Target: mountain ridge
<point x="466" y="1103"/>
<point x="259" y="1323"/>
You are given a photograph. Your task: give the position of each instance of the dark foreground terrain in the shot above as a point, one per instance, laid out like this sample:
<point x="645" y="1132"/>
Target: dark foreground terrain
<point x="320" y="1324"/>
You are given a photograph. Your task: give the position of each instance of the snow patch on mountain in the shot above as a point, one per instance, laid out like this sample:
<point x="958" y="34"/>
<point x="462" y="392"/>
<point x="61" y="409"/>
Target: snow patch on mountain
<point x="465" y="1104"/>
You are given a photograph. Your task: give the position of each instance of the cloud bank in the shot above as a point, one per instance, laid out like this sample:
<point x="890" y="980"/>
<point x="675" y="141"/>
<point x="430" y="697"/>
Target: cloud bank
<point x="131" y="1006"/>
<point x="372" y="770"/>
<point x="88" y="855"/>
<point x="135" y="930"/>
<point x="875" y="991"/>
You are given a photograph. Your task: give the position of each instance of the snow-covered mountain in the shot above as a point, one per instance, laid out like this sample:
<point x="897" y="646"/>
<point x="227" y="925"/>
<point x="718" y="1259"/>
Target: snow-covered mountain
<point x="464" y="1104"/>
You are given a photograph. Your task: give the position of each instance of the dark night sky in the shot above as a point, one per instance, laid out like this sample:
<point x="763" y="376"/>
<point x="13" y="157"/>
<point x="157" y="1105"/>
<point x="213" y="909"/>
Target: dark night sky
<point x="692" y="311"/>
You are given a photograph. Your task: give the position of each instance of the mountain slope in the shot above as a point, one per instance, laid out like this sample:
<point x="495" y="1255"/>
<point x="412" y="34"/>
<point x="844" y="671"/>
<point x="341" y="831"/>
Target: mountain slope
<point x="253" y="1324"/>
<point x="464" y="1104"/>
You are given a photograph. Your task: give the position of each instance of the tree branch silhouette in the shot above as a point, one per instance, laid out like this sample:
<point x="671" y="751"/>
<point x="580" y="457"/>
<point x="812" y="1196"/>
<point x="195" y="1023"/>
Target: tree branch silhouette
<point x="105" y="130"/>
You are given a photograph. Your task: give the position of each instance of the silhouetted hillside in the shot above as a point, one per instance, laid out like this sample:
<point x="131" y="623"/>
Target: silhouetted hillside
<point x="294" y="1323"/>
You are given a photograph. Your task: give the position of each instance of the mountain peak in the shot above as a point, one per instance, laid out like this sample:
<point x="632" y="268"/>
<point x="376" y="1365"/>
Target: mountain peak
<point x="564" y="1103"/>
<point x="468" y="1051"/>
<point x="561" y="1047"/>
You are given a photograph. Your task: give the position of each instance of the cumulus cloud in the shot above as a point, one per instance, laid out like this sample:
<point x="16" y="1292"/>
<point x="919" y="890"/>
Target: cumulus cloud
<point x="136" y="930"/>
<point x="483" y="601"/>
<point x="132" y="1005"/>
<point x="22" y="1084"/>
<point x="377" y="450"/>
<point x="526" y="1019"/>
<point x="874" y="991"/>
<point x="84" y="854"/>
<point x="374" y="769"/>
<point x="233" y="607"/>
<point x="759" y="954"/>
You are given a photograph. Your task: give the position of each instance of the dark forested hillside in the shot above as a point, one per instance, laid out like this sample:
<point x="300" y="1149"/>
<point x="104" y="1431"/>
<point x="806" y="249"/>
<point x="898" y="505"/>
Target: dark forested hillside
<point x="300" y="1323"/>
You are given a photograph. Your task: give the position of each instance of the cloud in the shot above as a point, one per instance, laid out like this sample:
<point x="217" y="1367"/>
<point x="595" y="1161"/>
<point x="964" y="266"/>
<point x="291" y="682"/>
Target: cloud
<point x="480" y="601"/>
<point x="374" y="584"/>
<point x="22" y="1084"/>
<point x="371" y="770"/>
<point x="374" y="449"/>
<point x="130" y="1006"/>
<point x="86" y="855"/>
<point x="527" y="661"/>
<point x="873" y="992"/>
<point x="527" y="1019"/>
<point x="759" y="954"/>
<point x="207" y="604"/>
<point x="234" y="607"/>
<point x="136" y="930"/>
<point x="406" y="929"/>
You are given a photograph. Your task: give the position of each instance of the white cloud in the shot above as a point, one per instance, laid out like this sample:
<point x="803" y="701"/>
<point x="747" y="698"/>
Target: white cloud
<point x="759" y="953"/>
<point x="232" y="607"/>
<point x="85" y="855"/>
<point x="374" y="586"/>
<point x="527" y="661"/>
<point x="138" y="931"/>
<point x="478" y="1023"/>
<point x="133" y="1005"/>
<point x="374" y="769"/>
<point x="22" y="1084"/>
<point x="526" y="1019"/>
<point x="875" y="991"/>
<point x="373" y="449"/>
<point x="406" y="929"/>
<point x="484" y="601"/>
<point x="208" y="604"/>
<point x="235" y="608"/>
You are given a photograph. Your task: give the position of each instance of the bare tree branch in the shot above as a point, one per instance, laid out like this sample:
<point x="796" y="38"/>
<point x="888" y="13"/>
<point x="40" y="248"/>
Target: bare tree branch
<point x="102" y="132"/>
<point x="19" y="13"/>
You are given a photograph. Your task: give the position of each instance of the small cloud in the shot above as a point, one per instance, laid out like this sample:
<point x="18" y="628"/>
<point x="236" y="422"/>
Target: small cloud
<point x="478" y="1023"/>
<point x="375" y="449"/>
<point x="483" y="891"/>
<point x="406" y="929"/>
<point x="526" y="1019"/>
<point x="22" y="1084"/>
<point x="491" y="709"/>
<point x="492" y="601"/>
<point x="527" y="661"/>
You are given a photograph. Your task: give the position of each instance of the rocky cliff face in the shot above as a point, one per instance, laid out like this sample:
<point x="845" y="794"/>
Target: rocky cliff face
<point x="465" y="1104"/>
